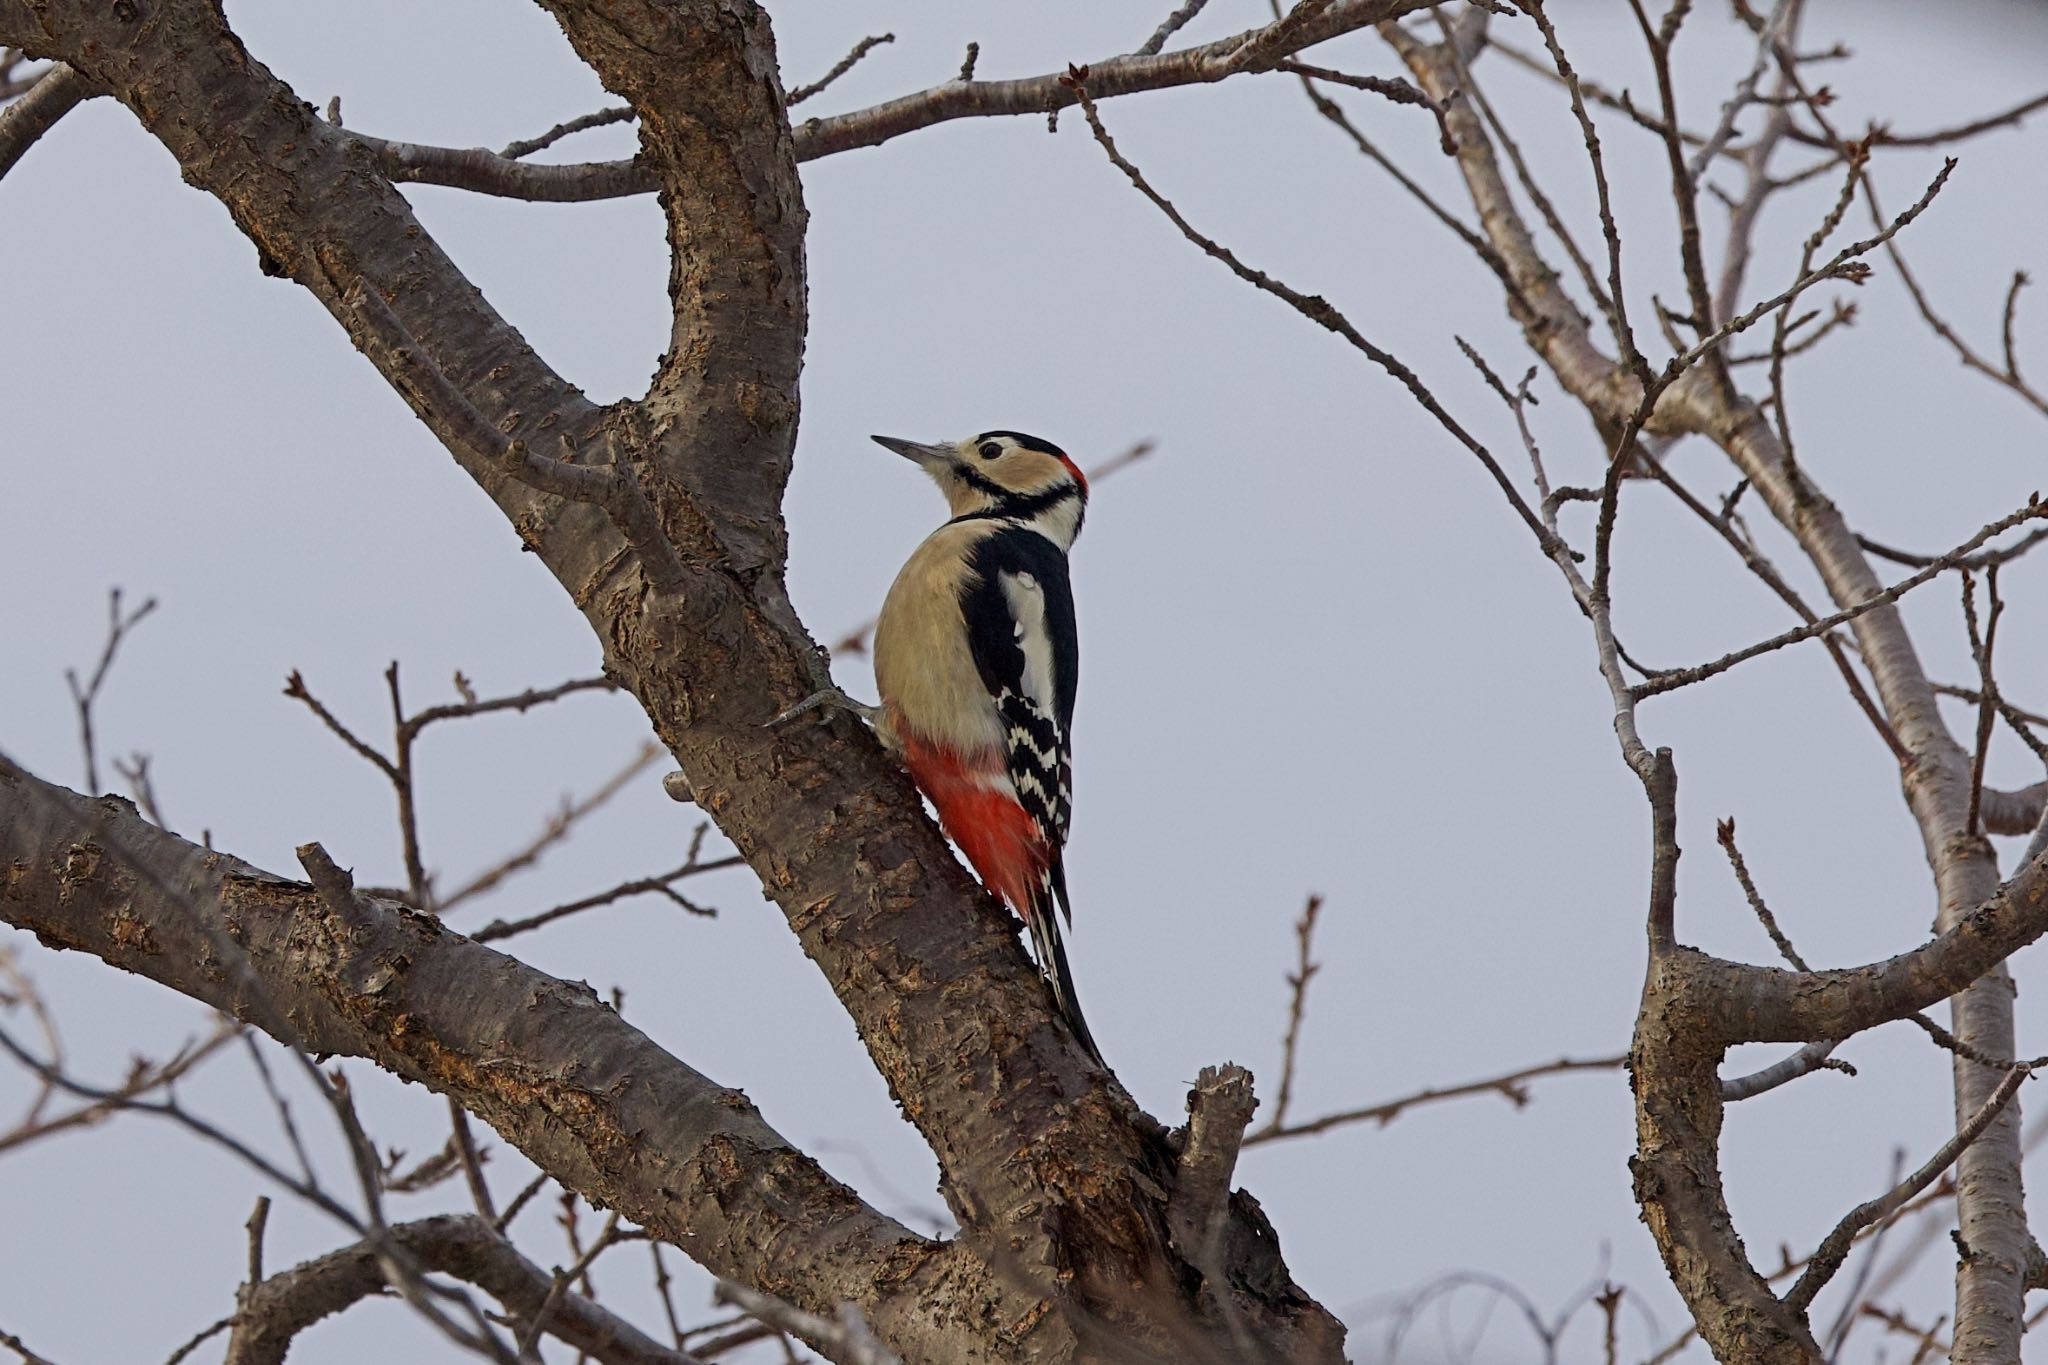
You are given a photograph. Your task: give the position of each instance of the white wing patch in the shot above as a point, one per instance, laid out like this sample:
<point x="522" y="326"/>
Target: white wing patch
<point x="1027" y="612"/>
<point x="1037" y="748"/>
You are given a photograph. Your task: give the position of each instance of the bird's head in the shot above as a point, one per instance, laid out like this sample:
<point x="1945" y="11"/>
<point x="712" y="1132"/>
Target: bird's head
<point x="1004" y="474"/>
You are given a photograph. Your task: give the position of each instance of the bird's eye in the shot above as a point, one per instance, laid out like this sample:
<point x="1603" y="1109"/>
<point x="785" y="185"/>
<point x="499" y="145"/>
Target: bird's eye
<point x="991" y="449"/>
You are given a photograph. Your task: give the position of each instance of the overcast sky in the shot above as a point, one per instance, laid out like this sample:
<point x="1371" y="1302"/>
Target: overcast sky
<point x="1320" y="653"/>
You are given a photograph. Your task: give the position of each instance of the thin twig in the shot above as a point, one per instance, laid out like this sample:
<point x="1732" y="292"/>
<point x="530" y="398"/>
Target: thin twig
<point x="2004" y="554"/>
<point x="259" y="1219"/>
<point x="605" y="1240"/>
<point x="523" y="701"/>
<point x="1724" y="833"/>
<point x="472" y="1161"/>
<point x="1172" y="24"/>
<point x="845" y="1338"/>
<point x="557" y="828"/>
<point x="1724" y="526"/>
<point x="1319" y="311"/>
<point x="295" y="688"/>
<point x="1846" y="1319"/>
<point x="662" y="883"/>
<point x="521" y="1200"/>
<point x="1297" y="987"/>
<point x="141" y="1080"/>
<point x="1981" y="646"/>
<point x="1686" y="677"/>
<point x="84" y="695"/>
<point x="200" y="1338"/>
<point x="602" y="118"/>
<point x="1511" y="1087"/>
<point x="1834" y="1248"/>
<point x="845" y="64"/>
<point x="16" y="1345"/>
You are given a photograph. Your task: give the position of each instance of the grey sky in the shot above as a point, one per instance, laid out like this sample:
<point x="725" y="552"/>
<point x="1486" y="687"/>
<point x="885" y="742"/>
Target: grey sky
<point x="1319" y="652"/>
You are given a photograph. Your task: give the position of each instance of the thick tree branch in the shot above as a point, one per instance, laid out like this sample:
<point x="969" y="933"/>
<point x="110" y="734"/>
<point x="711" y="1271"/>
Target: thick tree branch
<point x="547" y="1064"/>
<point x="275" y="1310"/>
<point x="23" y="123"/>
<point x="1219" y="1108"/>
<point x="485" y="172"/>
<point x="2015" y="812"/>
<point x="482" y="171"/>
<point x="1253" y="50"/>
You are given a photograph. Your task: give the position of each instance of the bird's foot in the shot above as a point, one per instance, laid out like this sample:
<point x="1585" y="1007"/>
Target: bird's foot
<point x="831" y="698"/>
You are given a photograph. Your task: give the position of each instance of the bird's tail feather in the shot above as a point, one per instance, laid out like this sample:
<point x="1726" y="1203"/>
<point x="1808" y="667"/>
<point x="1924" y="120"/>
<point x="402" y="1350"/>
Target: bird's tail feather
<point x="1042" y="918"/>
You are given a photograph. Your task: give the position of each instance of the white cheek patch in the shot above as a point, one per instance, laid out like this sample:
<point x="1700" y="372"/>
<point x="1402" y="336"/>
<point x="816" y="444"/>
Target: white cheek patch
<point x="1060" y="523"/>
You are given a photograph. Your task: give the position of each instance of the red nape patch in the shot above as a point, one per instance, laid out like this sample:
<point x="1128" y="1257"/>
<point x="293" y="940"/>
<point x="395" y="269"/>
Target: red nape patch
<point x="998" y="837"/>
<point x="1075" y="470"/>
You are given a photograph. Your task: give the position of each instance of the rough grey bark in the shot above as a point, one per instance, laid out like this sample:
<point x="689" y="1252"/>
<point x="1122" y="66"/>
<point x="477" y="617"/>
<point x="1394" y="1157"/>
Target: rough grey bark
<point x="544" y="1061"/>
<point x="272" y="1313"/>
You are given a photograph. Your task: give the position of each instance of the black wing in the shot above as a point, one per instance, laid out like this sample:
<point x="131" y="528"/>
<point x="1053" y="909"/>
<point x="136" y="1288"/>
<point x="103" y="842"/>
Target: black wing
<point x="1019" y="607"/>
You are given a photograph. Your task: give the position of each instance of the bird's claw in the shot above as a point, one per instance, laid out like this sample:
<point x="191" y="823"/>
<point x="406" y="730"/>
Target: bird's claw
<point x="829" y="698"/>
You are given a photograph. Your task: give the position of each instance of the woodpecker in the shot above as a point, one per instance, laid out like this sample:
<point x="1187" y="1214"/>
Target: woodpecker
<point x="977" y="660"/>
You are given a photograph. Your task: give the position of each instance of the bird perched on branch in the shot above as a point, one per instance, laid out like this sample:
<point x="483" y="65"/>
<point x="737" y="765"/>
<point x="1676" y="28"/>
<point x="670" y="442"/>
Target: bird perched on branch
<point x="977" y="659"/>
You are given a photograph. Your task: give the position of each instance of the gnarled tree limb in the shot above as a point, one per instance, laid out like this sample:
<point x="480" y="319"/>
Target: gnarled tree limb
<point x="275" y="1310"/>
<point x="553" y="1069"/>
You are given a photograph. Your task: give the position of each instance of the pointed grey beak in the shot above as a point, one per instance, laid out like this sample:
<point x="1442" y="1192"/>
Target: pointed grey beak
<point x="914" y="450"/>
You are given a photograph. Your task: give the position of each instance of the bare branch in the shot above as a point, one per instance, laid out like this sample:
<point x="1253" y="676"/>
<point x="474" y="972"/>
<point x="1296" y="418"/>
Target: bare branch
<point x="15" y="1344"/>
<point x="844" y="65"/>
<point x="556" y="829"/>
<point x="56" y="93"/>
<point x="1307" y="24"/>
<point x="482" y="171"/>
<point x="613" y="488"/>
<point x="83" y="695"/>
<point x="1319" y="311"/>
<point x="1686" y="677"/>
<point x="458" y="1245"/>
<point x="1808" y="1059"/>
<point x="513" y="151"/>
<point x="547" y="1036"/>
<point x="662" y="883"/>
<point x="143" y="1079"/>
<point x="1297" y="998"/>
<point x="844" y="1338"/>
<point x="1834" y="1248"/>
<point x="485" y="172"/>
<point x="522" y="702"/>
<point x="1219" y="1107"/>
<point x="1172" y="24"/>
<point x="1510" y="1087"/>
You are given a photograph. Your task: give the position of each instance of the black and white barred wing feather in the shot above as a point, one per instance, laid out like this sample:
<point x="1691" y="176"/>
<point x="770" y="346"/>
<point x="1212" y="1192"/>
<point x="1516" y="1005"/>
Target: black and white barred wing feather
<point x="1020" y="616"/>
<point x="1040" y="763"/>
